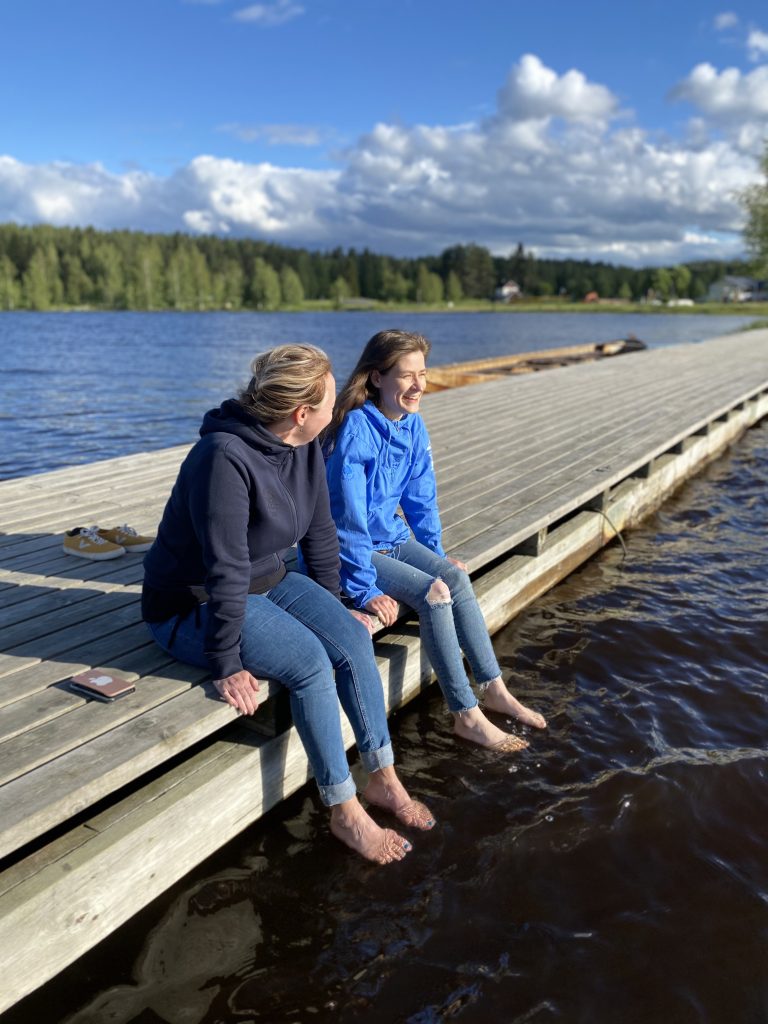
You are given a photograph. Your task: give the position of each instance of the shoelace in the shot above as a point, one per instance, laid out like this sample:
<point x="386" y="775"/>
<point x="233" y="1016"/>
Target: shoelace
<point x="127" y="531"/>
<point x="91" y="533"/>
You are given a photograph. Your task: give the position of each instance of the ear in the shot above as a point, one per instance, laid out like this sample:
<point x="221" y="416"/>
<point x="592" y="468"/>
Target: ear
<point x="375" y="378"/>
<point x="300" y="415"/>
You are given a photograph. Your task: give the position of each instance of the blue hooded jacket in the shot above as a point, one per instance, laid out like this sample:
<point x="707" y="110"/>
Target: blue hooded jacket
<point x="375" y="465"/>
<point x="242" y="498"/>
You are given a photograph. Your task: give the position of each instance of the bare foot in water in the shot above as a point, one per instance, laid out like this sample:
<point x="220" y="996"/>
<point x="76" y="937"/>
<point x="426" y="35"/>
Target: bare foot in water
<point x="385" y="790"/>
<point x="356" y="829"/>
<point x="498" y="698"/>
<point x="472" y="725"/>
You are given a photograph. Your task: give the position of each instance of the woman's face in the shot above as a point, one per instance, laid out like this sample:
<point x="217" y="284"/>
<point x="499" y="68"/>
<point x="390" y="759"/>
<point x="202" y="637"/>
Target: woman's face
<point x="319" y="418"/>
<point x="401" y="387"/>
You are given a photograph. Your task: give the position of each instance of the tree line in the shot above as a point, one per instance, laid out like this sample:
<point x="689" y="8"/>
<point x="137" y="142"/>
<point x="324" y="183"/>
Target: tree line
<point x="43" y="267"/>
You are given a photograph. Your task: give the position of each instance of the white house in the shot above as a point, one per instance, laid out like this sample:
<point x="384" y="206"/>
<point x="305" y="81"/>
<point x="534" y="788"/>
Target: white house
<point x="508" y="292"/>
<point x="737" y="289"/>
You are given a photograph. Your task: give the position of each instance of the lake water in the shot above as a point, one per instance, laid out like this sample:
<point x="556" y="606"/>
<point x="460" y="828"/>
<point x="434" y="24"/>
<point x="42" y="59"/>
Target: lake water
<point x="614" y="872"/>
<point x="76" y="387"/>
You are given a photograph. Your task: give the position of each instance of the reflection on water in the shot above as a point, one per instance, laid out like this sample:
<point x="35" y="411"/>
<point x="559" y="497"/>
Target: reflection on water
<point x="615" y="871"/>
<point x="75" y="387"/>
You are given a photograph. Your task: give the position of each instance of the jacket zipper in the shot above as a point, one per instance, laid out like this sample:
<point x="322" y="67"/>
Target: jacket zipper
<point x="292" y="502"/>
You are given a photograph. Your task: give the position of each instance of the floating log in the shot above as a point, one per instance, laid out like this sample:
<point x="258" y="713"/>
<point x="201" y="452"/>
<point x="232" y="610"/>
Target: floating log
<point x="476" y="371"/>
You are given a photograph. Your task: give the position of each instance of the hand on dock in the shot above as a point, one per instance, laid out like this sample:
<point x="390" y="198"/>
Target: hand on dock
<point x="363" y="617"/>
<point x="384" y="608"/>
<point x="240" y="691"/>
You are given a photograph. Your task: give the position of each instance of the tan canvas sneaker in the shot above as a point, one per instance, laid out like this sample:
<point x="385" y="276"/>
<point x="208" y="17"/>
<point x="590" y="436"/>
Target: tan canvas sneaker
<point x="127" y="537"/>
<point x="85" y="542"/>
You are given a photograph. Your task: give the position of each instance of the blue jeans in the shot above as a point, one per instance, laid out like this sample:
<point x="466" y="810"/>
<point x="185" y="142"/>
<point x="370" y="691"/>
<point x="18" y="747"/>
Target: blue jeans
<point x="447" y="627"/>
<point x="300" y="635"/>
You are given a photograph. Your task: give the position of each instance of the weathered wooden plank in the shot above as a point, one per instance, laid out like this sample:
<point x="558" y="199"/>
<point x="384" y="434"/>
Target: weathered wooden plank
<point x="500" y="535"/>
<point x="43" y="705"/>
<point x="119" y="611"/>
<point x="540" y="433"/>
<point x="40" y="799"/>
<point x="102" y="650"/>
<point x="19" y="636"/>
<point x="39" y="486"/>
<point x="648" y="435"/>
<point x="35" y="601"/>
<point x="85" y="720"/>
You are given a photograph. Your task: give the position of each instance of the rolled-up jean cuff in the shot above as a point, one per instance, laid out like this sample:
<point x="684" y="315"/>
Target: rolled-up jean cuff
<point x="337" y="794"/>
<point x="373" y="760"/>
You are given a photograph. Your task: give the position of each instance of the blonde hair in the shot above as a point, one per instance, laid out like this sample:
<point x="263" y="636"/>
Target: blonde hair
<point x="282" y="379"/>
<point x="381" y="353"/>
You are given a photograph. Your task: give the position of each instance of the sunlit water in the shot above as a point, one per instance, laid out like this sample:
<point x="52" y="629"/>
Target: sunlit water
<point x="75" y="387"/>
<point x="615" y="872"/>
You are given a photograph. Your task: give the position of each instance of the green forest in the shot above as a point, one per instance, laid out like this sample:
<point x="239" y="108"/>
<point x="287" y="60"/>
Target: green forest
<point x="44" y="268"/>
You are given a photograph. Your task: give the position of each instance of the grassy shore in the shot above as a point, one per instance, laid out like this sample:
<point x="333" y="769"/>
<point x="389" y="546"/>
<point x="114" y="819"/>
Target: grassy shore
<point x="757" y="309"/>
<point x="486" y="306"/>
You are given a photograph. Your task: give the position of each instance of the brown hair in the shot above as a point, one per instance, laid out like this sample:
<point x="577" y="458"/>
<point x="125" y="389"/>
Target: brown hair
<point x="381" y="353"/>
<point x="284" y="378"/>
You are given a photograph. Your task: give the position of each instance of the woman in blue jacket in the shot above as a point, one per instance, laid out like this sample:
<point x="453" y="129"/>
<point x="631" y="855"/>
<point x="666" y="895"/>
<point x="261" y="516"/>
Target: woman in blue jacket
<point x="217" y="592"/>
<point x="378" y="458"/>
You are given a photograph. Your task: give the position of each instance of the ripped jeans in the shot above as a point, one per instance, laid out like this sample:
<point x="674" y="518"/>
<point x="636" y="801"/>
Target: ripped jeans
<point x="447" y="627"/>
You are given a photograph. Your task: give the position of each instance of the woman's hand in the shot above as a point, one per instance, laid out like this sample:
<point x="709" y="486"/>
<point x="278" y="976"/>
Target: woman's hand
<point x="455" y="561"/>
<point x="366" y="620"/>
<point x="240" y="691"/>
<point x="384" y="608"/>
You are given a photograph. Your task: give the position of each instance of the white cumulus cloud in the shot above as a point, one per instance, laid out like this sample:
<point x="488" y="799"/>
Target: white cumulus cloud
<point x="537" y="169"/>
<point x="534" y="91"/>
<point x="757" y="44"/>
<point x="727" y="95"/>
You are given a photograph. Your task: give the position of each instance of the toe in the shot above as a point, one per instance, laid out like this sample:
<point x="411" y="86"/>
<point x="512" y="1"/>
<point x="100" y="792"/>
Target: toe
<point x="416" y="815"/>
<point x="509" y="745"/>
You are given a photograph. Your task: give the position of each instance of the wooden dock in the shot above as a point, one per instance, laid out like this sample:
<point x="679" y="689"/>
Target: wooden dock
<point x="103" y="806"/>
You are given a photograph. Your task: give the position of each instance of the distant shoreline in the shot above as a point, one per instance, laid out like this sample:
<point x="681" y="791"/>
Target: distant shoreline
<point x="756" y="309"/>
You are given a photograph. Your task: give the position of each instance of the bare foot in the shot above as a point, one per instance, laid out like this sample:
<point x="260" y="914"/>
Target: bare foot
<point x="357" y="830"/>
<point x="498" y="698"/>
<point x="385" y="790"/>
<point x="472" y="725"/>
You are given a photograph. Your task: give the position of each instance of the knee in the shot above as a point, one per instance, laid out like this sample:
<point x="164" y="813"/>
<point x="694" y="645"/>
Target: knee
<point x="438" y="593"/>
<point x="458" y="580"/>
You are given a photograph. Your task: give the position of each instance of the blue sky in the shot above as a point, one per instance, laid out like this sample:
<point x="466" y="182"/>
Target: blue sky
<point x="592" y="130"/>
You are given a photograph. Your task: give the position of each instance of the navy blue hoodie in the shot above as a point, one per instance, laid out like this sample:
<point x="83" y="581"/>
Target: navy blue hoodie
<point x="241" y="499"/>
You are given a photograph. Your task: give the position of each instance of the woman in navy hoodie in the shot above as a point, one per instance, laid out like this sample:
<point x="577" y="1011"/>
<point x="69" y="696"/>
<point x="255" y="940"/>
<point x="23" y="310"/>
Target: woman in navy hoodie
<point x="217" y="593"/>
<point x="378" y="458"/>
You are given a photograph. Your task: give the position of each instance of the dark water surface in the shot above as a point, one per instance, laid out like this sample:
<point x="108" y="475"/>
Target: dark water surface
<point x="615" y="872"/>
<point x="76" y="387"/>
